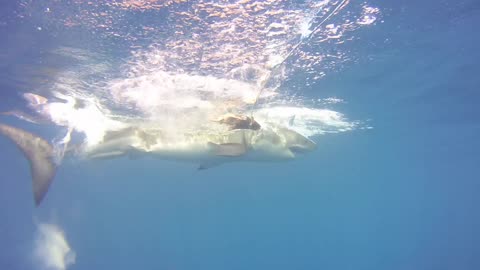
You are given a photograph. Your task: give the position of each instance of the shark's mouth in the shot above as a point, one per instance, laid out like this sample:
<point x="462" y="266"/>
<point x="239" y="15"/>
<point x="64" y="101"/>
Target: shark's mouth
<point x="299" y="149"/>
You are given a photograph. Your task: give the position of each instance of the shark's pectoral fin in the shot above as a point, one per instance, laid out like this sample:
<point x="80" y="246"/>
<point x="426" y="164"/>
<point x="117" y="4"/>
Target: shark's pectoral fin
<point x="209" y="164"/>
<point x="228" y="149"/>
<point x="40" y="156"/>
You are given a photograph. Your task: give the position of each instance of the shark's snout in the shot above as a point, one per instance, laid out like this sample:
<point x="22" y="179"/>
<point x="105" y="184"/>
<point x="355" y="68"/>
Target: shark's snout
<point x="296" y="142"/>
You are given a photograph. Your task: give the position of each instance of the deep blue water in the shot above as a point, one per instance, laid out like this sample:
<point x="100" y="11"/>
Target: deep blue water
<point x="402" y="195"/>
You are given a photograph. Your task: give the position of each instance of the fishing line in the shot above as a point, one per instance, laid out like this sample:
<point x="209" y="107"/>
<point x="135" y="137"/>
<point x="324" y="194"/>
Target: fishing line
<point x="295" y="48"/>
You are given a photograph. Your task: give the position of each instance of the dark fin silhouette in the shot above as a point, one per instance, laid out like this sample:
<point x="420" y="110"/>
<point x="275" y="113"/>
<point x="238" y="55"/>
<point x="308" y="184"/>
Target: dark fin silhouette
<point x="134" y="154"/>
<point x="40" y="156"/>
<point x="209" y="164"/>
<point x="202" y="167"/>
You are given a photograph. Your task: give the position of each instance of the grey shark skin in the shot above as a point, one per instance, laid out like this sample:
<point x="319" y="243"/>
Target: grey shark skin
<point x="203" y="148"/>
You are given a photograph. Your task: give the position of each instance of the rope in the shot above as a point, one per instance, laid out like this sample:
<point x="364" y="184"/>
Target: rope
<point x="295" y="48"/>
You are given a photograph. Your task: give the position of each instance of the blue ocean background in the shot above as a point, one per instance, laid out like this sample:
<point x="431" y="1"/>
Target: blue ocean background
<point x="403" y="195"/>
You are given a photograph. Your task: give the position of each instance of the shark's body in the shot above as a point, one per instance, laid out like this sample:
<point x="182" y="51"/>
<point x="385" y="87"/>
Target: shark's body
<point x="249" y="145"/>
<point x="205" y="148"/>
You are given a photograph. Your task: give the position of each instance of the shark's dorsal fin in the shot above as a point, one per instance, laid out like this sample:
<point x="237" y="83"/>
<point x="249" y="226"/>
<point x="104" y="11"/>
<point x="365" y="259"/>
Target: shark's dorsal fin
<point x="40" y="156"/>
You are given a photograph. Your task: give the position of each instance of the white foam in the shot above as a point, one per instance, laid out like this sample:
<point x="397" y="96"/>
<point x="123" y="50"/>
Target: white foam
<point x="306" y="121"/>
<point x="182" y="84"/>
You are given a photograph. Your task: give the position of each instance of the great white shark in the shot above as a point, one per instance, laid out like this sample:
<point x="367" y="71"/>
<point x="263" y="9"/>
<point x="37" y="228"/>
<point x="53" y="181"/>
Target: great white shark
<point x="206" y="148"/>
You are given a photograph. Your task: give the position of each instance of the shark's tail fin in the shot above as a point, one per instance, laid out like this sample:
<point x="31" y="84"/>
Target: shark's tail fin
<point x="40" y="155"/>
